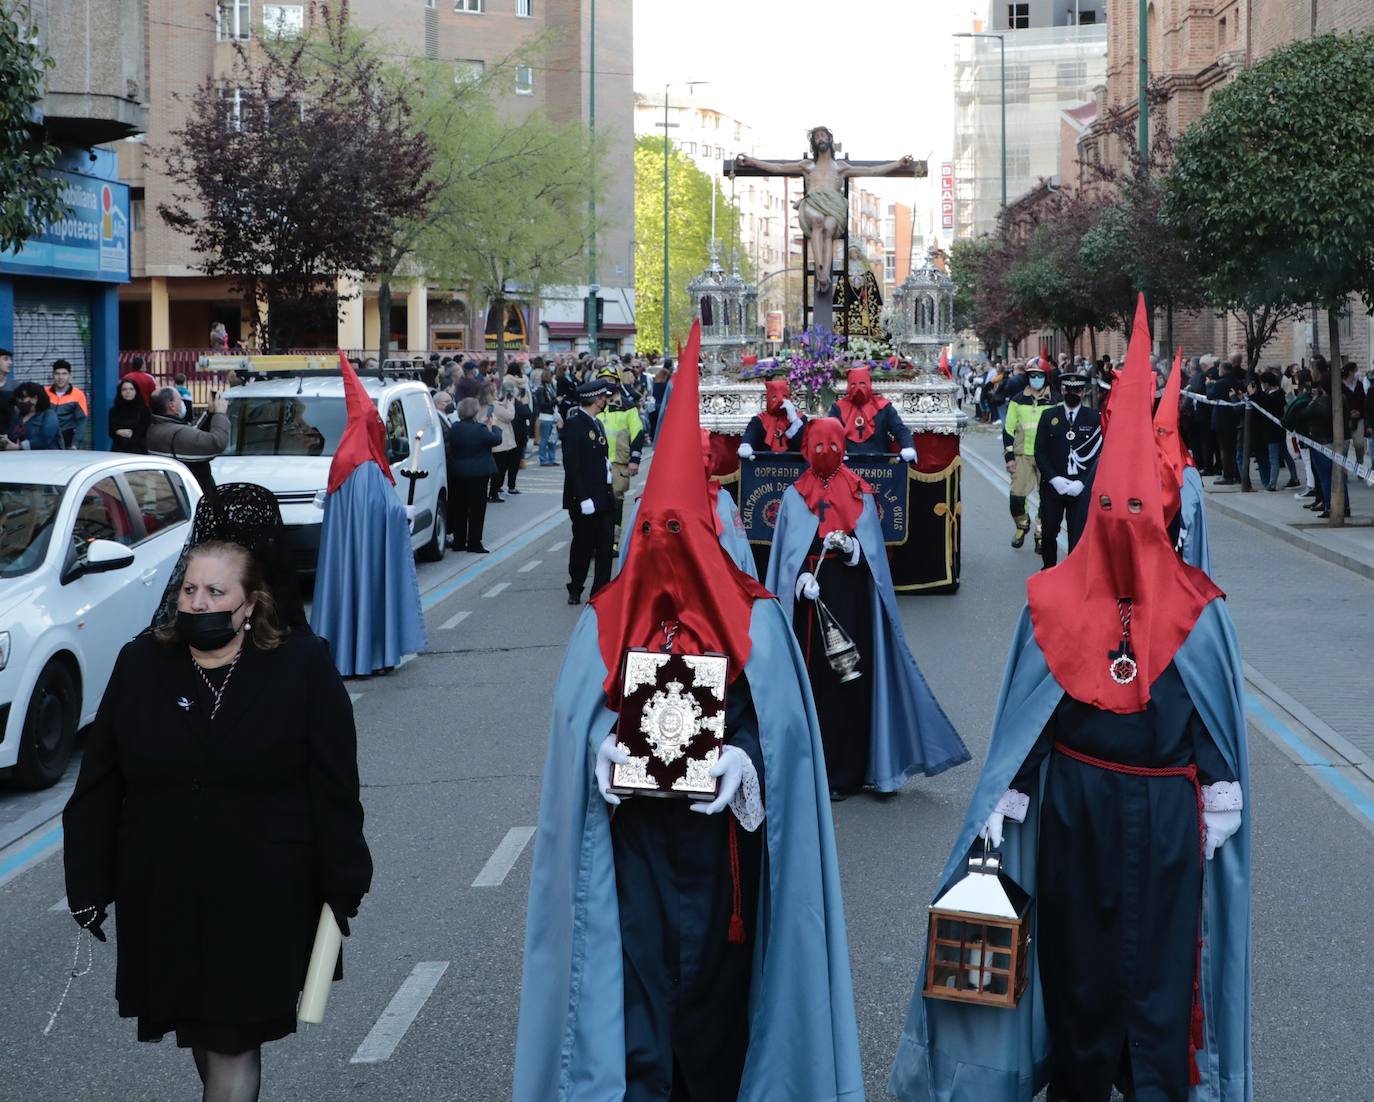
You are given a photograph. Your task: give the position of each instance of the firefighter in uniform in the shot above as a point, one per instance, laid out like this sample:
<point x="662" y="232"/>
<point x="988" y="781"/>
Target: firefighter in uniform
<point x="587" y="490"/>
<point x="1018" y="444"/>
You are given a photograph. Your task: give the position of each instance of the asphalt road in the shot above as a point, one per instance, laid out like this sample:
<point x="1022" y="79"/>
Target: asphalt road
<point x="451" y="752"/>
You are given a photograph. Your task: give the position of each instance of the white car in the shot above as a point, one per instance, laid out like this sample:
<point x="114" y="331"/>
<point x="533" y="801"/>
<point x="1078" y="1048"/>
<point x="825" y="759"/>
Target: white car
<point x="283" y="433"/>
<point x="88" y="541"/>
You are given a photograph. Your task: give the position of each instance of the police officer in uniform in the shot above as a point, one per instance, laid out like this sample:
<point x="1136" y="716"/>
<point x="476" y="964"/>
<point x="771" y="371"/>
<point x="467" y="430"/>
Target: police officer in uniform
<point x="1067" y="443"/>
<point x="587" y="490"/>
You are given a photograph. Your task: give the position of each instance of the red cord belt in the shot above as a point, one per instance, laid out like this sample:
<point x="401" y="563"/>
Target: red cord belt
<point x="1189" y="772"/>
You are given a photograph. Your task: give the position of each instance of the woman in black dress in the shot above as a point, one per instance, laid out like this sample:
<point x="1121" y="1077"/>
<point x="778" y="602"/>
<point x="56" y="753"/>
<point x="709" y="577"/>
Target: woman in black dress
<point x="129" y="421"/>
<point x="218" y="806"/>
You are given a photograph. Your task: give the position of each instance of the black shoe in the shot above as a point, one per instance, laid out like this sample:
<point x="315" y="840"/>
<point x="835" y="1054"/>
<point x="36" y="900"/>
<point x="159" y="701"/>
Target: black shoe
<point x="498" y="500"/>
<point x="838" y="797"/>
<point x="1292" y="482"/>
<point x="1226" y="482"/>
<point x="477" y="549"/>
<point x="1019" y="540"/>
<point x="512" y="490"/>
<point x="1308" y="493"/>
<point x="1039" y="544"/>
<point x="574" y="595"/>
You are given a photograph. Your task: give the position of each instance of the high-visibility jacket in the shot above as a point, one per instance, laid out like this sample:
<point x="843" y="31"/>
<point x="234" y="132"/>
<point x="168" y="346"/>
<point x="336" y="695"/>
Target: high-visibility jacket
<point x="1023" y="413"/>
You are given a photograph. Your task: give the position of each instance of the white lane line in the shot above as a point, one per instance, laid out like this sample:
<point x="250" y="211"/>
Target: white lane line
<point x="400" y="1013"/>
<point x="495" y="871"/>
<point x="558" y="546"/>
<point x="454" y="620"/>
<point x="60" y="905"/>
<point x="533" y="564"/>
<point x="497" y="589"/>
<point x="407" y="658"/>
<point x="355" y="697"/>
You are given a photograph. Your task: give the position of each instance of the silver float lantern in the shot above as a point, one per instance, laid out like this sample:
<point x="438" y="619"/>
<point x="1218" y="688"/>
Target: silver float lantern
<point x="924" y="315"/>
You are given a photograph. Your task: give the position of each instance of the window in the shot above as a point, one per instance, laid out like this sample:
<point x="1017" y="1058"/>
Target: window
<point x="28" y="514"/>
<point x="1073" y="73"/>
<point x="890" y="267"/>
<point x="690" y="148"/>
<point x="237" y="105"/>
<point x="467" y="71"/>
<point x="477" y="7"/>
<point x="1018" y="17"/>
<point x="160" y="503"/>
<point x="524" y="8"/>
<point x="285" y="426"/>
<point x="1018" y="83"/>
<point x="524" y="80"/>
<point x="136" y="211"/>
<point x="102" y="515"/>
<point x="1087" y="18"/>
<point x="720" y="153"/>
<point x="1221" y="32"/>
<point x="397" y="438"/>
<point x="283" y="20"/>
<point x="233" y="19"/>
<point x="429" y="4"/>
<point x="1018" y="163"/>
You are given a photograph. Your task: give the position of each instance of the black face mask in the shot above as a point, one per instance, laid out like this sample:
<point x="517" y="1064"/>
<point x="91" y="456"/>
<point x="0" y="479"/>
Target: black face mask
<point x="207" y="631"/>
<point x="1071" y="399"/>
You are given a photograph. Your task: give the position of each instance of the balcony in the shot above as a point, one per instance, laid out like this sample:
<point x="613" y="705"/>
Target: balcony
<point x="95" y="90"/>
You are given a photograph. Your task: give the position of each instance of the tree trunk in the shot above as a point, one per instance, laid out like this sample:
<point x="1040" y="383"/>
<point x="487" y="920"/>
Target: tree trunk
<point x="1337" y="502"/>
<point x="1170" y="330"/>
<point x="1092" y="340"/>
<point x="384" y="322"/>
<point x="498" y="307"/>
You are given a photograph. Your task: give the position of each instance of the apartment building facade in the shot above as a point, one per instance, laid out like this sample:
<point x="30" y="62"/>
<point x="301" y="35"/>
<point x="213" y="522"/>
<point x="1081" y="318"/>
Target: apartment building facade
<point x="170" y="304"/>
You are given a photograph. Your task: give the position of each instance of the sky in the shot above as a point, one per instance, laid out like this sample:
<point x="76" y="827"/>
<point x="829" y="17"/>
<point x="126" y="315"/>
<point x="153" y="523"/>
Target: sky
<point x="879" y="73"/>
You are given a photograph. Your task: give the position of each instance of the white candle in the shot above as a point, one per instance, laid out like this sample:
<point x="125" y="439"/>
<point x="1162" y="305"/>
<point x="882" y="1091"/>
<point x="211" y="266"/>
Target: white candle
<point x="320" y="974"/>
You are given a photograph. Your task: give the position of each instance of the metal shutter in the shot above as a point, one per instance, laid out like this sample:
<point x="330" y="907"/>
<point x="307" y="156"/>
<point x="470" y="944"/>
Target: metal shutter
<point x="50" y="327"/>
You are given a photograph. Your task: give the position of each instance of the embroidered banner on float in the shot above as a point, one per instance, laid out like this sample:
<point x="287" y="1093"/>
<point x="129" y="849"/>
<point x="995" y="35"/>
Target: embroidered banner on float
<point x="765" y="479"/>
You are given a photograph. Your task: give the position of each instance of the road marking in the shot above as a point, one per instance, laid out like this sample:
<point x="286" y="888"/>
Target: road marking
<point x="23" y="856"/>
<point x="533" y="564"/>
<point x="498" y="867"/>
<point x="454" y="620"/>
<point x="446" y="589"/>
<point x="60" y="905"/>
<point x="407" y="658"/>
<point x="355" y="697"/>
<point x="558" y="546"/>
<point x="400" y="1013"/>
<point x="497" y="589"/>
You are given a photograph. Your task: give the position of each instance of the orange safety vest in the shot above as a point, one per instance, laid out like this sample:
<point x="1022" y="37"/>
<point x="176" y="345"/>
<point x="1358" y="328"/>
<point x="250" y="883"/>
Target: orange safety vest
<point x="75" y="394"/>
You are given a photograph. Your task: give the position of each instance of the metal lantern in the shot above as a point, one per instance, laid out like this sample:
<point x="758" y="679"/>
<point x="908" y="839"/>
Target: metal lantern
<point x="979" y="940"/>
<point x="924" y="321"/>
<point x="723" y="302"/>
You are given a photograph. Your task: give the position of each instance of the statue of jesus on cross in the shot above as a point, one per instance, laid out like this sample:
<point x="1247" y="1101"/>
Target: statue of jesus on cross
<point x="822" y="210"/>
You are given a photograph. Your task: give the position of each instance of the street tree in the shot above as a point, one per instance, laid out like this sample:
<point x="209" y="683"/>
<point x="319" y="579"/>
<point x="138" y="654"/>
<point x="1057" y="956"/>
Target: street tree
<point x="689" y="237"/>
<point x="295" y="169"/>
<point x="29" y="197"/>
<point x="1271" y="191"/>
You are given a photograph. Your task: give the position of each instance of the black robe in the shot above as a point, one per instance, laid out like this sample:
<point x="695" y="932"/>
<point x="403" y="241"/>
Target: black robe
<point x="1120" y="890"/>
<point x="844" y="711"/>
<point x="686" y="984"/>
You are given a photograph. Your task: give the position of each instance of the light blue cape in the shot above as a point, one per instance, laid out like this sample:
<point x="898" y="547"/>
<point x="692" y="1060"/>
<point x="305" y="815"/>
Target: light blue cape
<point x="731" y="537"/>
<point x="803" y="1036"/>
<point x="952" y="1052"/>
<point x="910" y="731"/>
<point x="1192" y="510"/>
<point x="367" y="598"/>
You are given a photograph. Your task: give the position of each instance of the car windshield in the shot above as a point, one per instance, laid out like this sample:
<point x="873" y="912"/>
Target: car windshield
<point x="27" y="516"/>
<point x="295" y="425"/>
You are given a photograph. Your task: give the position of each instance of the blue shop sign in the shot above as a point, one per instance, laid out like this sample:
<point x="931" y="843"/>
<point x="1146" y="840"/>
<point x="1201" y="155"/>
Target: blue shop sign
<point x="764" y="479"/>
<point x="90" y="243"/>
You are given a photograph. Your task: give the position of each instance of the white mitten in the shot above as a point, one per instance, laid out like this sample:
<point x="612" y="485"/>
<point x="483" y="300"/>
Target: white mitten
<point x="791" y="411"/>
<point x="807" y="586"/>
<point x="1061" y="484"/>
<point x="908" y="455"/>
<point x="729" y="768"/>
<point x="608" y="754"/>
<point x="1074" y="488"/>
<point x="588" y="507"/>
<point x="745" y="452"/>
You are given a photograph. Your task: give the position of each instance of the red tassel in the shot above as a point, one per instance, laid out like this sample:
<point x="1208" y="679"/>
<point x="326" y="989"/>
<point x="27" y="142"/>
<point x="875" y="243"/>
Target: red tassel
<point x="1197" y="1025"/>
<point x="736" y="935"/>
<point x="1194" y="1076"/>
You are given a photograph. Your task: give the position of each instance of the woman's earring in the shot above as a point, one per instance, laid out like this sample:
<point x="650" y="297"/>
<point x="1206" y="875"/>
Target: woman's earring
<point x="248" y="625"/>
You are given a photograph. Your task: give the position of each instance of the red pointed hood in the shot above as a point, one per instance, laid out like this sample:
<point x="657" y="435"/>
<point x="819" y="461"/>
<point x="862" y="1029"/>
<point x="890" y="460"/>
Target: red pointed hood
<point x="859" y="406"/>
<point x="830" y="489"/>
<point x="944" y="363"/>
<point x="1170" y="449"/>
<point x="772" y="416"/>
<point x="364" y="437"/>
<point x="676" y="569"/>
<point x="1124" y="555"/>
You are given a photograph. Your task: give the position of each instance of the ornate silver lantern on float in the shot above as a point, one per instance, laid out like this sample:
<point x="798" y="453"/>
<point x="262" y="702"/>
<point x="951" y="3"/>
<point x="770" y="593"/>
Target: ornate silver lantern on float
<point x="923" y="315"/>
<point x="719" y="300"/>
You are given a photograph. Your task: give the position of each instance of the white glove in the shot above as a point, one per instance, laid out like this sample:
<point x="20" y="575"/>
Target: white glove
<point x="608" y="754"/>
<point x="839" y="541"/>
<point x="908" y="455"/>
<point x="588" y="507"/>
<point x="729" y="768"/>
<point x="992" y="829"/>
<point x="745" y="452"/>
<point x="807" y="586"/>
<point x="1061" y="484"/>
<point x="1217" y="826"/>
<point x="1074" y="488"/>
<point x="791" y="411"/>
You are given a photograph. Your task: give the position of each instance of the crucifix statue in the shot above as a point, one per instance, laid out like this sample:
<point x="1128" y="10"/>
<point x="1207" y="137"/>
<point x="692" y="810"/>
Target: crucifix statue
<point x="823" y="209"/>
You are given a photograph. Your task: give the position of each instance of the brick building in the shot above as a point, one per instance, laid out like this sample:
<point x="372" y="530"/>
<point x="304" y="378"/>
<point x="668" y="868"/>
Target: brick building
<point x="170" y="305"/>
<point x="1196" y="47"/>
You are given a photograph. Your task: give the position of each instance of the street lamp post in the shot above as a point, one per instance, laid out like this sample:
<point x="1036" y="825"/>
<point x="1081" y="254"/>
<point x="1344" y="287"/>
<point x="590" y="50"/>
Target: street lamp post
<point x="666" y="148"/>
<point x="1002" y="42"/>
<point x="592" y="283"/>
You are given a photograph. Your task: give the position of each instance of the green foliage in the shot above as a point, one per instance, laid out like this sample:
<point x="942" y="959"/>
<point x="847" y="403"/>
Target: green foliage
<point x="689" y="238"/>
<point x="963" y="269"/>
<point x="1272" y="188"/>
<point x="29" y="199"/>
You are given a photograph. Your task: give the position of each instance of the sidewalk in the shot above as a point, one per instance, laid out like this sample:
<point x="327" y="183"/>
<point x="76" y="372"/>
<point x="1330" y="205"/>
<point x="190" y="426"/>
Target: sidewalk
<point x="1278" y="514"/>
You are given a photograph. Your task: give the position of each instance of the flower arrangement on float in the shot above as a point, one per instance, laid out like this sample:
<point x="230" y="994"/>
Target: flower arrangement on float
<point x="820" y="358"/>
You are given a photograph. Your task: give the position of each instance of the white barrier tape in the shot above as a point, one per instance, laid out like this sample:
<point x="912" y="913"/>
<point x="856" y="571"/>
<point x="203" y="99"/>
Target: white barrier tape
<point x="1359" y="470"/>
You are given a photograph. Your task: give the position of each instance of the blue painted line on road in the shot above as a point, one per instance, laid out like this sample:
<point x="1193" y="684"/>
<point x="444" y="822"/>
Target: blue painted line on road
<point x="17" y="861"/>
<point x="489" y="562"/>
<point x="1356" y="800"/>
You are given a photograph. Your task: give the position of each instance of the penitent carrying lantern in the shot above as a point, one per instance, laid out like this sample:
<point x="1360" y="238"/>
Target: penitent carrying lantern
<point x="979" y="950"/>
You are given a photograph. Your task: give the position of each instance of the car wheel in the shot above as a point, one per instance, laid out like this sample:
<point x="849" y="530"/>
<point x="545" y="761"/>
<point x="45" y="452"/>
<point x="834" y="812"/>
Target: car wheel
<point x="437" y="546"/>
<point x="49" y="731"/>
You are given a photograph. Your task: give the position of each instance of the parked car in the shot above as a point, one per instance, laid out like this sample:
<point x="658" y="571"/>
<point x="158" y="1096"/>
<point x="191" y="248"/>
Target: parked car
<point x="283" y="433"/>
<point x="88" y="541"/>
